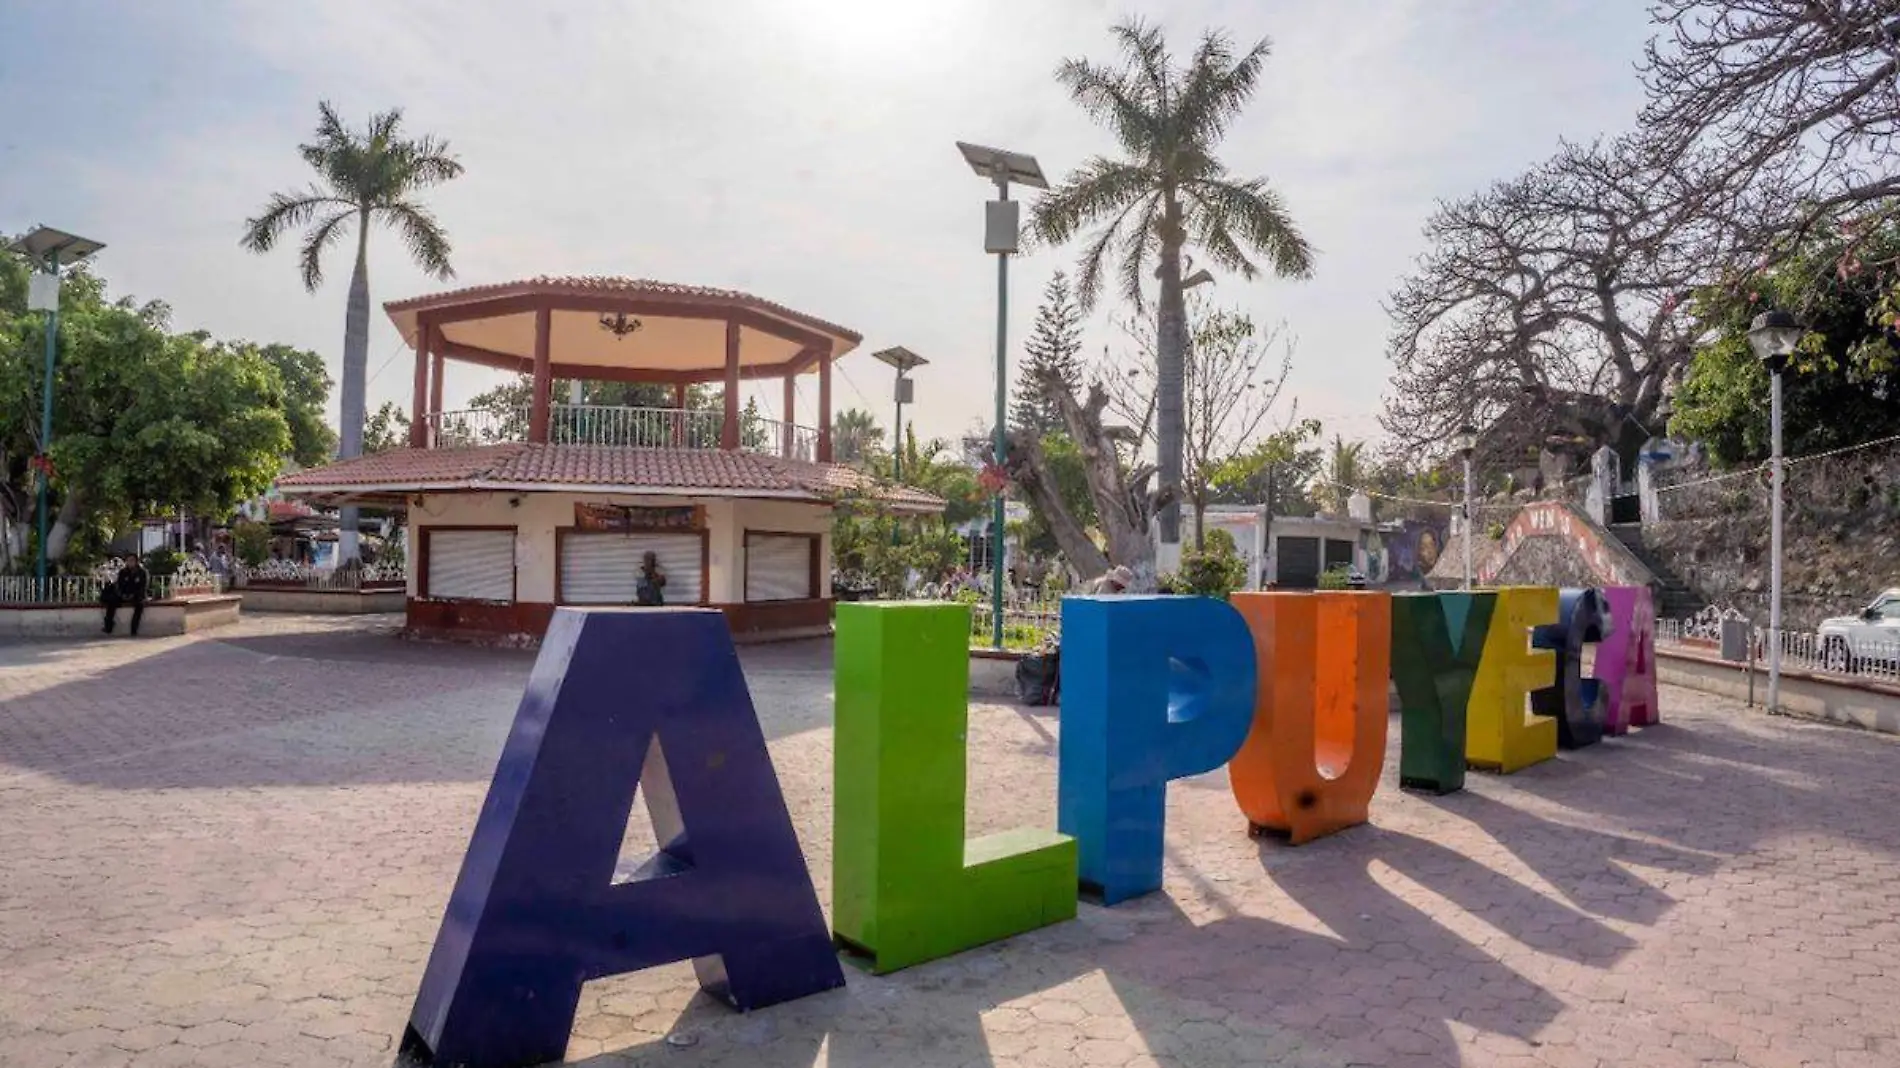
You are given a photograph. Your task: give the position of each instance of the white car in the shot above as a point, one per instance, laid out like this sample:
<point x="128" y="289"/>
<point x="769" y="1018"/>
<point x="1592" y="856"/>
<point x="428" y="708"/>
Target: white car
<point x="1874" y="635"/>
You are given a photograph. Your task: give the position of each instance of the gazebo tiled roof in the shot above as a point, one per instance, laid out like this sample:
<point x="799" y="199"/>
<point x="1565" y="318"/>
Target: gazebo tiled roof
<point x="600" y="469"/>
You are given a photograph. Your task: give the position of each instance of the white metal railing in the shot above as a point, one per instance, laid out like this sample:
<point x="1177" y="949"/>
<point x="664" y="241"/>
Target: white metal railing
<point x="600" y="424"/>
<point x="1801" y="650"/>
<point x="70" y="589"/>
<point x="285" y="573"/>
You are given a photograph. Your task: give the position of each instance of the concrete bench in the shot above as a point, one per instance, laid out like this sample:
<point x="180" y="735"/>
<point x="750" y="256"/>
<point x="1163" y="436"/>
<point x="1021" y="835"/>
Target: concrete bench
<point x="179" y="615"/>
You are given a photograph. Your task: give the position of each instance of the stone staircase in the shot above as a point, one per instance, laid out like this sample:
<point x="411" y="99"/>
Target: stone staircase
<point x="1674" y="597"/>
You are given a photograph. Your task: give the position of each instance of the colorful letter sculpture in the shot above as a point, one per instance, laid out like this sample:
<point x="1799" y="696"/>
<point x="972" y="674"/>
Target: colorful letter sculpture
<point x="906" y="887"/>
<point x="1626" y="660"/>
<point x="1312" y="759"/>
<point x="1501" y="734"/>
<point x="1437" y="642"/>
<point x="1576" y="702"/>
<point x="1153" y="689"/>
<point x="537" y="911"/>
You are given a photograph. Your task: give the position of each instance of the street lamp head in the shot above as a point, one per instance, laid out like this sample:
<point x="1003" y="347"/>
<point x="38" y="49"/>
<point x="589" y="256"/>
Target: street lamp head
<point x="900" y="358"/>
<point x="1001" y="165"/>
<point x="1466" y="440"/>
<point x="49" y="248"/>
<point x="1773" y="335"/>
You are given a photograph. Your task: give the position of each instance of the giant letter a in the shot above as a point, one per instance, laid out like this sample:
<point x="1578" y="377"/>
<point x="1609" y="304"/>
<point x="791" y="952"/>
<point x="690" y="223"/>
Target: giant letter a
<point x="619" y="699"/>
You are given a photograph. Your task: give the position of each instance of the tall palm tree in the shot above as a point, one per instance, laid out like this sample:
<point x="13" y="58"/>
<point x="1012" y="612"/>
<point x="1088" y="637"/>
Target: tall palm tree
<point x="855" y="435"/>
<point x="365" y="176"/>
<point x="1169" y="192"/>
<point x="1342" y="472"/>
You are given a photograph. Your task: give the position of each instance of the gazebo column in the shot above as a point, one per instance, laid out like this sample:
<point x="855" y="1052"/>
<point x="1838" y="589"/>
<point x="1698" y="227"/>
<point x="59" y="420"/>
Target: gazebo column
<point x="435" y="390"/>
<point x="824" y="407"/>
<point x="789" y="428"/>
<point x="543" y="375"/>
<point x="729" y="433"/>
<point x="679" y="415"/>
<point x="419" y="405"/>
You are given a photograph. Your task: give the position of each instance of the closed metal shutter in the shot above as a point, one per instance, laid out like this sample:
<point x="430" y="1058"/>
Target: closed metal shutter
<point x="602" y="568"/>
<point x="777" y="568"/>
<point x="1297" y="565"/>
<point x="471" y="565"/>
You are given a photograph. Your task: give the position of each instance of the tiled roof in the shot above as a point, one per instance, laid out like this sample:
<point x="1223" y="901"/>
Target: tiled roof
<point x="596" y="285"/>
<point x="519" y="465"/>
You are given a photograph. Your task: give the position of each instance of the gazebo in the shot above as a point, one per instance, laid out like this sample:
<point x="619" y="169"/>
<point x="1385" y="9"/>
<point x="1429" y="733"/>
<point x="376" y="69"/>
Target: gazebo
<point x="512" y="512"/>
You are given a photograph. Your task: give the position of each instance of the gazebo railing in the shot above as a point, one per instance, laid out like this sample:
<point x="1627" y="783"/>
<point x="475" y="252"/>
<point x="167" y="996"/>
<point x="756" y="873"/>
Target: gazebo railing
<point x="643" y="428"/>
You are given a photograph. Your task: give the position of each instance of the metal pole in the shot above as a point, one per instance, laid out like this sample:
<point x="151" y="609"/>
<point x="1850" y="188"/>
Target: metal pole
<point x="46" y="415"/>
<point x="1774" y="548"/>
<point x="1002" y="390"/>
<point x="897" y="454"/>
<point x="1470" y="526"/>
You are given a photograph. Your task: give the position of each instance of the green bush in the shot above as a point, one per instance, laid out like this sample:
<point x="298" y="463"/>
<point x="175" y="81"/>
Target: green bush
<point x="1338" y="578"/>
<point x="1212" y="572"/>
<point x="163" y="563"/>
<point x="252" y="541"/>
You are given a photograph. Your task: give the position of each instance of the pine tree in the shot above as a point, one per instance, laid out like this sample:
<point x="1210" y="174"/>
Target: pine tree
<point x="1055" y="344"/>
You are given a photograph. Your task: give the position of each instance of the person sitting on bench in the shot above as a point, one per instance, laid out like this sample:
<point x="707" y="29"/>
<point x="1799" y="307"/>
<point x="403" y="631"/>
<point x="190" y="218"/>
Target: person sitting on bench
<point x="127" y="588"/>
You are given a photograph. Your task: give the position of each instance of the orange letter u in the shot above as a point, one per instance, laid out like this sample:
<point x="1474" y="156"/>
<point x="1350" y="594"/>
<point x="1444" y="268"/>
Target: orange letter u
<point x="1312" y="760"/>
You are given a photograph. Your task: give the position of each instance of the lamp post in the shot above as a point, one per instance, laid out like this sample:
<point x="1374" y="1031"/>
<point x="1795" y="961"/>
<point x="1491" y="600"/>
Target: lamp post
<point x="1001" y="229"/>
<point x="49" y="250"/>
<point x="1467" y="442"/>
<point x="1773" y="335"/>
<point x="902" y="359"/>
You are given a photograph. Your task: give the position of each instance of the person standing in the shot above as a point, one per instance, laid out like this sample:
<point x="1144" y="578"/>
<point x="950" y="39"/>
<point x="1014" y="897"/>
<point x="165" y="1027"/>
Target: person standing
<point x="129" y="587"/>
<point x="650" y="585"/>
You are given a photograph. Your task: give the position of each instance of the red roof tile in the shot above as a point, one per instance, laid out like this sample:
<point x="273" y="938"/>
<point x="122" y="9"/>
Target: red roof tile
<point x="593" y="285"/>
<point x="518" y="465"/>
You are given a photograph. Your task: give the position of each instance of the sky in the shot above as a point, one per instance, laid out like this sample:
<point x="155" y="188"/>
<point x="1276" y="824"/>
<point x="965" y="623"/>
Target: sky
<point x="799" y="150"/>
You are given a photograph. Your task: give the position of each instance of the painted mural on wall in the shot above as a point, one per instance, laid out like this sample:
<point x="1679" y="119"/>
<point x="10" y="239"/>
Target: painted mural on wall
<point x="1412" y="550"/>
<point x="1288" y="690"/>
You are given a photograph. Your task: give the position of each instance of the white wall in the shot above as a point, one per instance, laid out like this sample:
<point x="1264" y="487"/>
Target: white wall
<point x="536" y="516"/>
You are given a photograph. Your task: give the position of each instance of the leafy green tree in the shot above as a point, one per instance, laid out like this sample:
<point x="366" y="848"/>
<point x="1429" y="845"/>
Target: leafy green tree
<point x="387" y="429"/>
<point x="368" y="176"/>
<point x="1054" y="352"/>
<point x="144" y="420"/>
<point x="306" y="395"/>
<point x="252" y="540"/>
<point x="1842" y="386"/>
<point x="1276" y="471"/>
<point x="1169" y="191"/>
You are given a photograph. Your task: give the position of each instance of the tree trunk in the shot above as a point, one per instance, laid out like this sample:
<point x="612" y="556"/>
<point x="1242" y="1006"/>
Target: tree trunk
<point x="1200" y="522"/>
<point x="355" y="375"/>
<point x="64" y="524"/>
<point x="1121" y="506"/>
<point x="1029" y="470"/>
<point x="1171" y="342"/>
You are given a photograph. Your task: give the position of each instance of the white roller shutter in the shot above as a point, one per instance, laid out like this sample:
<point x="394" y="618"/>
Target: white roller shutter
<point x="777" y="568"/>
<point x="602" y="568"/>
<point x="471" y="565"/>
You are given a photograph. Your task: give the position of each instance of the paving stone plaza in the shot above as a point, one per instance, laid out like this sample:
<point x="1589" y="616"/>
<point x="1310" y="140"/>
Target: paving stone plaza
<point x="235" y="849"/>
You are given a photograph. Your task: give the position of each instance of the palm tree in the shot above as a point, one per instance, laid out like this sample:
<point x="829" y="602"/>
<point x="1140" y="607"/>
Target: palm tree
<point x="855" y="435"/>
<point x="1342" y="472"/>
<point x="364" y="176"/>
<point x="1169" y="192"/>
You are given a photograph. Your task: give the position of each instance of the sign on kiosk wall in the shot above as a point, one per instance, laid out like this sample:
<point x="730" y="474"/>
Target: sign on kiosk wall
<point x="601" y="518"/>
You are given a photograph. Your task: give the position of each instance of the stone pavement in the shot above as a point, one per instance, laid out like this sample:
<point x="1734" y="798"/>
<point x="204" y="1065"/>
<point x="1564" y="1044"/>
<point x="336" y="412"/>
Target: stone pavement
<point x="234" y="849"/>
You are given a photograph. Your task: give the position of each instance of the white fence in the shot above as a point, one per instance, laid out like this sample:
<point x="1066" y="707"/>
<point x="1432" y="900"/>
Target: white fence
<point x="1808" y="651"/>
<point x="281" y="574"/>
<point x="68" y="589"/>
